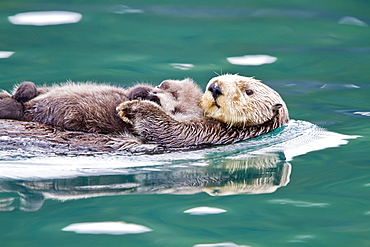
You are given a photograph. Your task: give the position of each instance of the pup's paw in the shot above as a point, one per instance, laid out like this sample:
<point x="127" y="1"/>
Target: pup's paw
<point x="25" y="92"/>
<point x="124" y="110"/>
<point x="11" y="109"/>
<point x="130" y="110"/>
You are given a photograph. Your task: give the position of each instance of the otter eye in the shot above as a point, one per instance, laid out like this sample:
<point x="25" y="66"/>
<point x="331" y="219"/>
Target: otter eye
<point x="249" y="92"/>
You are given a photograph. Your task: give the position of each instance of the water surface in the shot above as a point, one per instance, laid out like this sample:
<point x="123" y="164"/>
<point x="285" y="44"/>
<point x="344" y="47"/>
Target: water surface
<point x="298" y="185"/>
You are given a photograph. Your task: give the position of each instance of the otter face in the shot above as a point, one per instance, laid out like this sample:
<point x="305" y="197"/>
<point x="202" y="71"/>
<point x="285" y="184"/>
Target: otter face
<point x="241" y="101"/>
<point x="178" y="97"/>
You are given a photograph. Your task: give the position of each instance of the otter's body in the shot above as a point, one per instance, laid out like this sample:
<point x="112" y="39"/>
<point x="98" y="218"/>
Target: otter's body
<point x="84" y="107"/>
<point x="236" y="108"/>
<point x="91" y="107"/>
<point x="87" y="107"/>
<point x="233" y="108"/>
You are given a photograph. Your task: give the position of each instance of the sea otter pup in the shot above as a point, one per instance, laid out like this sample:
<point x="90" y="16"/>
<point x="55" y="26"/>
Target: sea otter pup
<point x="180" y="99"/>
<point x="91" y="107"/>
<point x="235" y="107"/>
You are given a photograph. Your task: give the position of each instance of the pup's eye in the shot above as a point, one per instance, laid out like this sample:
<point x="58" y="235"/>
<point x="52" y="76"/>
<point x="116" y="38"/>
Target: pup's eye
<point x="249" y="92"/>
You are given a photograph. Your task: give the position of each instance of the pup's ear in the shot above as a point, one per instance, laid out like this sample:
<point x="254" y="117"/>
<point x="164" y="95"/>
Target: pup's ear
<point x="165" y="85"/>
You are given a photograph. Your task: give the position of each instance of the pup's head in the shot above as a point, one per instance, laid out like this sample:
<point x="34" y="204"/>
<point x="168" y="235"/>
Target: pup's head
<point x="178" y="96"/>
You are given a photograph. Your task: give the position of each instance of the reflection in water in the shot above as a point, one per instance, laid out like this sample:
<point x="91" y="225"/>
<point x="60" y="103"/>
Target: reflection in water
<point x="182" y="66"/>
<point x="252" y="60"/>
<point x="299" y="203"/>
<point x="114" y="228"/>
<point x="123" y="9"/>
<point x="349" y="20"/>
<point x="258" y="174"/>
<point x="366" y="114"/>
<point x="227" y="244"/>
<point x="6" y="54"/>
<point x="204" y="210"/>
<point x="45" y="18"/>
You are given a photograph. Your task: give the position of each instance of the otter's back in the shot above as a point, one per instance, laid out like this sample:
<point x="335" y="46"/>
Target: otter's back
<point x="83" y="107"/>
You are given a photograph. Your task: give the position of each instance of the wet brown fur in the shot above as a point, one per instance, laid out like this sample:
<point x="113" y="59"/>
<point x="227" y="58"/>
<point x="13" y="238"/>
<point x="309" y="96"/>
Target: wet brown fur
<point x="91" y="107"/>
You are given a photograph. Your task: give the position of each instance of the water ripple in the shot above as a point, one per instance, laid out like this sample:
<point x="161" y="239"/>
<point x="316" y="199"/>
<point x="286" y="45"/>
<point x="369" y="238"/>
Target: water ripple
<point x="220" y="245"/>
<point x="299" y="203"/>
<point x="301" y="238"/>
<point x="350" y="20"/>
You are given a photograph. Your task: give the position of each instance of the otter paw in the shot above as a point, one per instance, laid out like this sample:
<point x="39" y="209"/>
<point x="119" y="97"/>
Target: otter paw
<point x="11" y="109"/>
<point x="130" y="110"/>
<point x="123" y="110"/>
<point x="25" y="92"/>
<point x="4" y="95"/>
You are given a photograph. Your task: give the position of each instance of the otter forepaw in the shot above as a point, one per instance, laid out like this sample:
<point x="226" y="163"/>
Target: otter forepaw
<point x="25" y="92"/>
<point x="128" y="110"/>
<point x="124" y="110"/>
<point x="4" y="94"/>
<point x="11" y="109"/>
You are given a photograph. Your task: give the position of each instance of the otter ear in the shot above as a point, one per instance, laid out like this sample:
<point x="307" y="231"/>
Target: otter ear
<point x="277" y="106"/>
<point x="165" y="85"/>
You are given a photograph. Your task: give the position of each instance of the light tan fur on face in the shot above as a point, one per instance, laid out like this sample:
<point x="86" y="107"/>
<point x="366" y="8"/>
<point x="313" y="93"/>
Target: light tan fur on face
<point x="235" y="107"/>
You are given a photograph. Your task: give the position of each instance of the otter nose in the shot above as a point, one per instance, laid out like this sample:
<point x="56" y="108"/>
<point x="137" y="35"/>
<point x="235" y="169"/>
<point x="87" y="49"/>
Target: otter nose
<point x="215" y="89"/>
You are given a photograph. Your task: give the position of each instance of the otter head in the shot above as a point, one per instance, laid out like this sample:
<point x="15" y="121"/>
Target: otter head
<point x="242" y="101"/>
<point x="178" y="97"/>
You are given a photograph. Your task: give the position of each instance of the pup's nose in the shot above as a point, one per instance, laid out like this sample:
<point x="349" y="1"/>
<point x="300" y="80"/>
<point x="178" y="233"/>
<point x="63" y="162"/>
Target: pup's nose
<point x="154" y="98"/>
<point x="215" y="89"/>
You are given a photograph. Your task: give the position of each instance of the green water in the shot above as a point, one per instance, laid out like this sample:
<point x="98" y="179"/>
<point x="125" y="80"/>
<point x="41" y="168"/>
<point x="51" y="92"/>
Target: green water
<point x="322" y="72"/>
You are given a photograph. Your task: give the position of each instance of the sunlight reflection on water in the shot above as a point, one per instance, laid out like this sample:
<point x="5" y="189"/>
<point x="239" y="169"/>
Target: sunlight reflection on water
<point x="204" y="211"/>
<point x="45" y="18"/>
<point x="6" y="54"/>
<point x="113" y="228"/>
<point x="252" y="60"/>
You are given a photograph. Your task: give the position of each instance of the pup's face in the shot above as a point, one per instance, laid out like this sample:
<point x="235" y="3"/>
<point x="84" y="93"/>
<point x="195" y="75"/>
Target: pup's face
<point x="241" y="101"/>
<point x="177" y="95"/>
